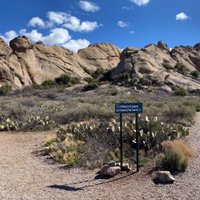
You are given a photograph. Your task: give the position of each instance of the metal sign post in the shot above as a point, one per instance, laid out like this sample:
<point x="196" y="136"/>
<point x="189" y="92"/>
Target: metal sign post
<point x="137" y="142"/>
<point x="121" y="142"/>
<point x="129" y="108"/>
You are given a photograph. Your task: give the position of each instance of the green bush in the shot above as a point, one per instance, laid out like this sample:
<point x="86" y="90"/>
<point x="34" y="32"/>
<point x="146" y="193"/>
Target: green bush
<point x="145" y="81"/>
<point x="98" y="73"/>
<point x="180" y="92"/>
<point x="65" y="79"/>
<point x="167" y="66"/>
<point x="195" y="74"/>
<point x="48" y="83"/>
<point x="91" y="86"/>
<point x="5" y="89"/>
<point x="89" y="79"/>
<point x="181" y="68"/>
<point x="74" y="80"/>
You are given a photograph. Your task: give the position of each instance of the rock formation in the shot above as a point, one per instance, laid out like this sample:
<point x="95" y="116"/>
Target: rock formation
<point x="156" y="65"/>
<point x="23" y="63"/>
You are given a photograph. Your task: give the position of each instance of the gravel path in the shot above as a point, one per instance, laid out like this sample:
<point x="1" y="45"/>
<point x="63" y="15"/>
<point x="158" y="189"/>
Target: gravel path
<point x="26" y="176"/>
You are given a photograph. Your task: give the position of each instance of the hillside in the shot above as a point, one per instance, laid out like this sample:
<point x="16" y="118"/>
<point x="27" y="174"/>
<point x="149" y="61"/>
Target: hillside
<point x="23" y="63"/>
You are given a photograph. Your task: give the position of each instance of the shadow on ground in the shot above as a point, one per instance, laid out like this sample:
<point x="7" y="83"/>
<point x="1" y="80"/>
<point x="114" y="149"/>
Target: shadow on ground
<point x="91" y="182"/>
<point x="65" y="187"/>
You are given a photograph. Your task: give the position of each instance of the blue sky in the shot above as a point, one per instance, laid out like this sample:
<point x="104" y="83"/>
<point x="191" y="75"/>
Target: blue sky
<point x="75" y="24"/>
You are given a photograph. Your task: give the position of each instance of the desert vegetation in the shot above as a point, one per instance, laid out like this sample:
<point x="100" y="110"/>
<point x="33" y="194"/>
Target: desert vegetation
<point x="87" y="127"/>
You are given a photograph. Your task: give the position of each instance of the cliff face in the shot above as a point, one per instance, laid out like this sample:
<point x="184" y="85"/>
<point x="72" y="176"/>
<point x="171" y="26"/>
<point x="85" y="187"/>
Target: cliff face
<point x="23" y="63"/>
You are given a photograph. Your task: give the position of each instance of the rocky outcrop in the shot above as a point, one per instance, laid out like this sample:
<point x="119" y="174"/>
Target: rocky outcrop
<point x="100" y="56"/>
<point x="156" y="65"/>
<point x="20" y="43"/>
<point x="24" y="63"/>
<point x="4" y="48"/>
<point x="188" y="56"/>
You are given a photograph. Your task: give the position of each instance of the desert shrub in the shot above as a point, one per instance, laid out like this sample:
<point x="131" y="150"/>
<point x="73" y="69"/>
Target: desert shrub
<point x="195" y="74"/>
<point x="48" y="83"/>
<point x="85" y="112"/>
<point x="180" y="92"/>
<point x="5" y="89"/>
<point x="145" y="81"/>
<point x="89" y="79"/>
<point x="63" y="79"/>
<point x="176" y="155"/>
<point x="100" y="140"/>
<point x="28" y="103"/>
<point x="98" y="73"/>
<point x="179" y="114"/>
<point x="167" y="66"/>
<point x="91" y="86"/>
<point x="15" y="112"/>
<point x="34" y="86"/>
<point x="90" y="143"/>
<point x="66" y="79"/>
<point x="64" y="148"/>
<point x="181" y="68"/>
<point x="123" y="77"/>
<point x="74" y="80"/>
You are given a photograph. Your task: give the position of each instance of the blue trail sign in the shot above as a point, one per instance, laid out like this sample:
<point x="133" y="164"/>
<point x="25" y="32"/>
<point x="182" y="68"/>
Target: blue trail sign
<point x="128" y="108"/>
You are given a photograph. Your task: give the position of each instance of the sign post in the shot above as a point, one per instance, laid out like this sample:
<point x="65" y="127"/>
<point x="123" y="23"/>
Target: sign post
<point x="125" y="108"/>
<point x="137" y="141"/>
<point x="121" y="142"/>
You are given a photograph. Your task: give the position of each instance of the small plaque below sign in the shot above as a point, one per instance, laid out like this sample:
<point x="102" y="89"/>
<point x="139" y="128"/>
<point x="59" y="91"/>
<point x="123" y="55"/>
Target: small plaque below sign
<point x="128" y="108"/>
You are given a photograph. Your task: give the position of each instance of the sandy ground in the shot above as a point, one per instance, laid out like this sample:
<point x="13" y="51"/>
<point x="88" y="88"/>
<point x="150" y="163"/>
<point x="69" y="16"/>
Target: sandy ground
<point x="25" y="175"/>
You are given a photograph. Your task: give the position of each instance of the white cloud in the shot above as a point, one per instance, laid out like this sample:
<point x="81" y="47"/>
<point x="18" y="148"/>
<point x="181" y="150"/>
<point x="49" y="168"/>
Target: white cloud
<point x="75" y="45"/>
<point x="74" y="24"/>
<point x="140" y="2"/>
<point x="34" y="35"/>
<point x="57" y="17"/>
<point x="36" y="21"/>
<point x="182" y="16"/>
<point x="71" y="22"/>
<point x="132" y="32"/>
<point x="88" y="6"/>
<point x="58" y="36"/>
<point x="58" y="24"/>
<point x="122" y="24"/>
<point x="9" y="36"/>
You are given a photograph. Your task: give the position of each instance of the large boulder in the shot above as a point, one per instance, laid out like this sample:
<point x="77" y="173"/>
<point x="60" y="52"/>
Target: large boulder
<point x="109" y="170"/>
<point x="20" y="43"/>
<point x="164" y="177"/>
<point x="113" y="169"/>
<point x="106" y="56"/>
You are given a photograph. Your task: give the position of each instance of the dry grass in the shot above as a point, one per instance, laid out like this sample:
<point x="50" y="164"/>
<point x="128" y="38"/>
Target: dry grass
<point x="181" y="147"/>
<point x="177" y="154"/>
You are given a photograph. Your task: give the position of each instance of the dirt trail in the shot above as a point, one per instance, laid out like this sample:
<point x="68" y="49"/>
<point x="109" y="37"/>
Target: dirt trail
<point x="25" y="176"/>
